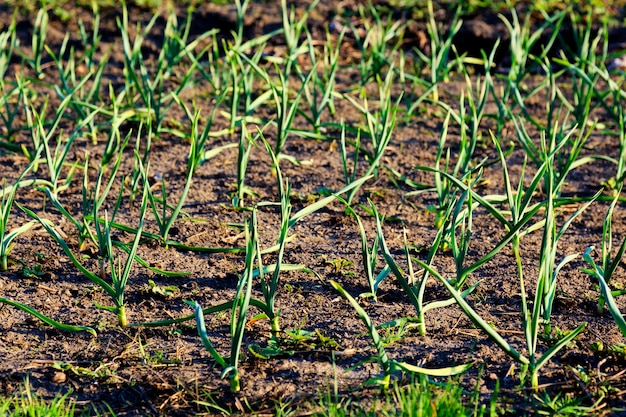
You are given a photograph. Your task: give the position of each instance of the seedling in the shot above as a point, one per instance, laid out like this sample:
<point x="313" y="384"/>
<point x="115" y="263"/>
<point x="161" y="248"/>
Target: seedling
<point x="6" y="236"/>
<point x="607" y="294"/>
<point x="441" y="49"/>
<point x="119" y="276"/>
<point x="166" y="291"/>
<point x="319" y="93"/>
<point x="369" y="259"/>
<point x="38" y="41"/>
<point x="149" y="86"/>
<point x="388" y="365"/>
<point x="239" y="312"/>
<point x="379" y="124"/>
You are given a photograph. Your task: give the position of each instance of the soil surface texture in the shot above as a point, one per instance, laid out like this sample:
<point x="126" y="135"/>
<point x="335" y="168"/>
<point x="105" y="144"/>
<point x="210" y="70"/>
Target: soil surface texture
<point x="166" y="370"/>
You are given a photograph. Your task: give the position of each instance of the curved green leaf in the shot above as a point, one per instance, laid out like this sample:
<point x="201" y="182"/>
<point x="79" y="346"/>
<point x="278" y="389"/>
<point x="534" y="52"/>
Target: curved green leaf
<point x="48" y="320"/>
<point x="448" y="371"/>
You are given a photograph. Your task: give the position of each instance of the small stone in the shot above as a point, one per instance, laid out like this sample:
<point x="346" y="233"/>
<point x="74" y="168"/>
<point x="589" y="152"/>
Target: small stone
<point x="618" y="64"/>
<point x="59" y="377"/>
<point x="493" y="377"/>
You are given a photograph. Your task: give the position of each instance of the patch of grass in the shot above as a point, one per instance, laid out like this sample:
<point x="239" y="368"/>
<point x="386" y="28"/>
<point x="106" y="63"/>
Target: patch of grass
<point x="416" y="398"/>
<point x="26" y="402"/>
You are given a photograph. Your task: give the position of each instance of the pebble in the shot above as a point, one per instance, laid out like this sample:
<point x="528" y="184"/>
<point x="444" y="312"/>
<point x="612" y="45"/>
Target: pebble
<point x="59" y="377"/>
<point x="618" y="64"/>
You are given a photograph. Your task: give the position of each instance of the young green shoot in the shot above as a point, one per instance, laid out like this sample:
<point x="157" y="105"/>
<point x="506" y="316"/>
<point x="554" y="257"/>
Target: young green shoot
<point x="369" y="257"/>
<point x="8" y="89"/>
<point x="163" y="214"/>
<point x="320" y="93"/>
<point x="239" y="311"/>
<point x="150" y="86"/>
<point x="441" y="49"/>
<point x="607" y="293"/>
<point x="245" y="146"/>
<point x="382" y="41"/>
<point x="523" y="38"/>
<point x="414" y="292"/>
<point x="38" y="41"/>
<point x="379" y="124"/>
<point x="119" y="276"/>
<point x="8" y="39"/>
<point x="390" y="366"/>
<point x="6" y="236"/>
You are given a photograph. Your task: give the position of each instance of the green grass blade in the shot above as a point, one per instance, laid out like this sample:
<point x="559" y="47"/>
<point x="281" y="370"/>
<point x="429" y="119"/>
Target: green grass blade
<point x="444" y="303"/>
<point x="203" y="334"/>
<point x="383" y="359"/>
<point x="462" y="186"/>
<point x="120" y="284"/>
<point x="168" y="243"/>
<point x="397" y="272"/>
<point x="312" y="208"/>
<point x="547" y="355"/>
<point x="439" y="372"/>
<point x="608" y="297"/>
<point x="6" y="242"/>
<point x="213" y="309"/>
<point x="55" y="235"/>
<point x="269" y="269"/>
<point x="608" y="273"/>
<point x="475" y="317"/>
<point x="48" y="320"/>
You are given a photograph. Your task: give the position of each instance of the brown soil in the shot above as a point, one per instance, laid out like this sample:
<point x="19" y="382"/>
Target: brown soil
<point x="165" y="370"/>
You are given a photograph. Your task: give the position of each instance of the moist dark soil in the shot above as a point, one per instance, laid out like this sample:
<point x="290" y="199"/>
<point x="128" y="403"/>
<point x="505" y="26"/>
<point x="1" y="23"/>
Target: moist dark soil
<point x="166" y="370"/>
